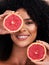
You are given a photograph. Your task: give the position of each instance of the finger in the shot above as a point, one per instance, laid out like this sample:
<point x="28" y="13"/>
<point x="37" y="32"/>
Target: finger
<point x="6" y="13"/>
<point x="9" y="11"/>
<point x="43" y="42"/>
<point x="41" y="63"/>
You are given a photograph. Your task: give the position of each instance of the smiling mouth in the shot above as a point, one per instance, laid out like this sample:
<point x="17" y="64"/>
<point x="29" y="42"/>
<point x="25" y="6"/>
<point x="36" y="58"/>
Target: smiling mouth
<point x="22" y="37"/>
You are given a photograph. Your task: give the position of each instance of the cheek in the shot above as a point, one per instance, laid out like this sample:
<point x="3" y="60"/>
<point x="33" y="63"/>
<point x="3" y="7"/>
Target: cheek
<point x="33" y="28"/>
<point x="33" y="32"/>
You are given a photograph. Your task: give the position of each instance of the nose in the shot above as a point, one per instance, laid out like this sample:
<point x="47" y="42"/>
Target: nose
<point x="24" y="28"/>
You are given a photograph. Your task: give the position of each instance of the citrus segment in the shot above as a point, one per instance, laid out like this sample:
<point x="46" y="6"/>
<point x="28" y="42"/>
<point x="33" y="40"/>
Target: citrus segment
<point x="36" y="52"/>
<point x="13" y="23"/>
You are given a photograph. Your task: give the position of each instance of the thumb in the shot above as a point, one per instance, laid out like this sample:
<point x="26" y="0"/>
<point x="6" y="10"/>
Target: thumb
<point x="3" y="31"/>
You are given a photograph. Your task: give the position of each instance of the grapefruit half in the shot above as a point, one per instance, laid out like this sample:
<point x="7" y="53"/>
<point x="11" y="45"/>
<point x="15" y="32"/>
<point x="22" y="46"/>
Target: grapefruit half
<point x="13" y="22"/>
<point x="36" y="52"/>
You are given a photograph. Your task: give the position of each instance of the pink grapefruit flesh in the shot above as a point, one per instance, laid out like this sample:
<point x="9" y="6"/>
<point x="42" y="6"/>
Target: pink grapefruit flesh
<point x="36" y="52"/>
<point x="13" y="23"/>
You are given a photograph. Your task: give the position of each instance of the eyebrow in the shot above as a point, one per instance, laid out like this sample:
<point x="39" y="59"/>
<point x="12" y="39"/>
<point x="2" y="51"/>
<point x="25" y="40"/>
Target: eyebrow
<point x="27" y="19"/>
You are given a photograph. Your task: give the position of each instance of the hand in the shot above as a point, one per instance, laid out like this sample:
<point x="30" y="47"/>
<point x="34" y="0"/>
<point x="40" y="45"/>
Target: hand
<point x="2" y="16"/>
<point x="46" y="60"/>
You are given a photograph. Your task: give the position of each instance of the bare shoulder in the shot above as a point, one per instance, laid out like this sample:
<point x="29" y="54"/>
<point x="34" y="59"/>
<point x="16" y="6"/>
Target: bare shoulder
<point x="8" y="62"/>
<point x="2" y="63"/>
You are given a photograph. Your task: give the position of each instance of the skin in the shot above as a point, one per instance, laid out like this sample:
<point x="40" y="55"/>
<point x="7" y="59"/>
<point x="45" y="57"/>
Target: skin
<point x="47" y="1"/>
<point x="21" y="39"/>
<point x="28" y="30"/>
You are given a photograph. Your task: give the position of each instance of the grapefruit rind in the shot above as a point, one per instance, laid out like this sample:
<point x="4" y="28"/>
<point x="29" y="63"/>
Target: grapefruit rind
<point x="9" y="29"/>
<point x="33" y="60"/>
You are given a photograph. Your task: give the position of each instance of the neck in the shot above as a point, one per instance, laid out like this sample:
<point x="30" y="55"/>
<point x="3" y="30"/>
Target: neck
<point x="19" y="54"/>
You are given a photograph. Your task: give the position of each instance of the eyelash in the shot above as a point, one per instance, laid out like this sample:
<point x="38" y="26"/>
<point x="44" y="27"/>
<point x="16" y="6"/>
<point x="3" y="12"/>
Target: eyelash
<point x="29" y="23"/>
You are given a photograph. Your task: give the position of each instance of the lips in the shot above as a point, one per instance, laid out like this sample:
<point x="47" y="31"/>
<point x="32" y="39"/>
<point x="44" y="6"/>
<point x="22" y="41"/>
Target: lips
<point x="22" y="37"/>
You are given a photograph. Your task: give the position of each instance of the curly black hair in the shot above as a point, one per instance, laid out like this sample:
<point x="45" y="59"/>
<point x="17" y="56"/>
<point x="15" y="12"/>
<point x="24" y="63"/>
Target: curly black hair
<point x="38" y="10"/>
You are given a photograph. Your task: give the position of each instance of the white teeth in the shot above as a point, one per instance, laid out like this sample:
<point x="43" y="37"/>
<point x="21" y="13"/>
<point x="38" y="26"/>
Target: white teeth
<point x="22" y="36"/>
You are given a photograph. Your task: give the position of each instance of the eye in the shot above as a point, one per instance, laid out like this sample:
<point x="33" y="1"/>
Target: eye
<point x="29" y="22"/>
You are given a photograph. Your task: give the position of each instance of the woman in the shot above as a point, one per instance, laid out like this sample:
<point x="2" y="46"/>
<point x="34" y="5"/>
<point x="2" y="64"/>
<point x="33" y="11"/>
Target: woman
<point x="13" y="46"/>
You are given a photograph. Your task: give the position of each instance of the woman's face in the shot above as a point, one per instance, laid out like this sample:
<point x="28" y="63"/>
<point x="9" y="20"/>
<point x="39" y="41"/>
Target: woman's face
<point x="27" y="34"/>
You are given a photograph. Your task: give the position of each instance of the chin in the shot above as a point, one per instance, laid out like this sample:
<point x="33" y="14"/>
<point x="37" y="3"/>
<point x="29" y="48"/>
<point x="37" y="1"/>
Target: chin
<point x="22" y="44"/>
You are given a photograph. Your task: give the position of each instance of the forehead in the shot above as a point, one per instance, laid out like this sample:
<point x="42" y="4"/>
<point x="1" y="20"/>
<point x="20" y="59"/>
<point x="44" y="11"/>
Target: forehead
<point x="23" y="13"/>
